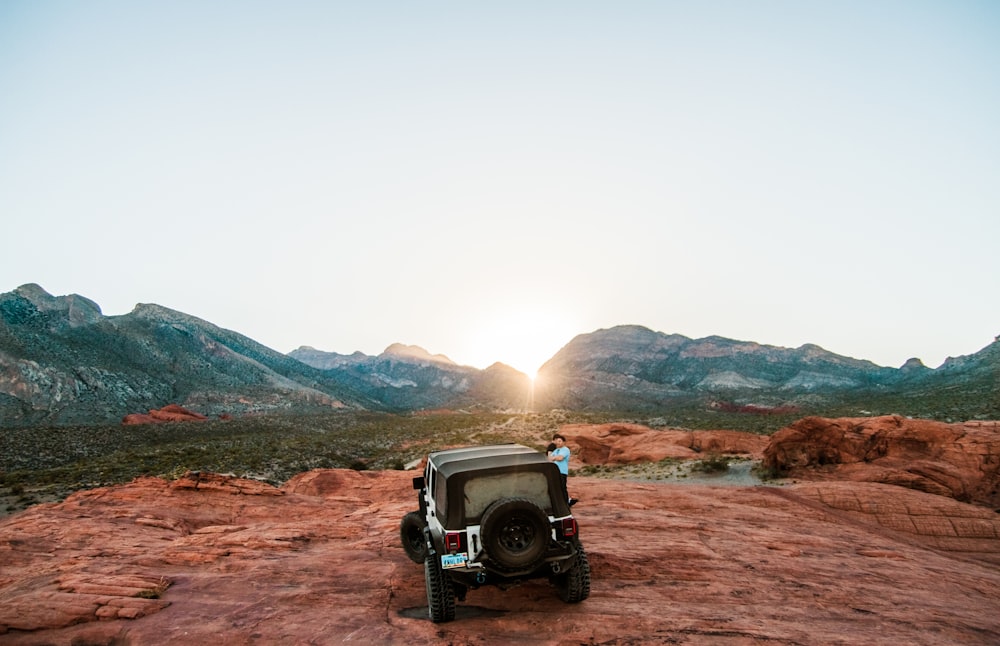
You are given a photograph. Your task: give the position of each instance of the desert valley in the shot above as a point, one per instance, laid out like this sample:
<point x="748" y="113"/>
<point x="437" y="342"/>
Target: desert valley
<point x="306" y="302"/>
<point x="167" y="481"/>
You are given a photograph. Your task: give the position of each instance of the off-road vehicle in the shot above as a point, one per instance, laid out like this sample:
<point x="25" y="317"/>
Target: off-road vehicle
<point x="492" y="515"/>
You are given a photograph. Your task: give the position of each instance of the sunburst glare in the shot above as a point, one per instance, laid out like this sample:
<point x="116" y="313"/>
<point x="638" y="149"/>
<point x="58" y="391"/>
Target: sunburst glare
<point x="524" y="339"/>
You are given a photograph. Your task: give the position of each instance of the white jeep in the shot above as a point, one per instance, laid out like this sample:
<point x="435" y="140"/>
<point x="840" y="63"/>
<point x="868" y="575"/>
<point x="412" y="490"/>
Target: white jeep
<point x="492" y="515"/>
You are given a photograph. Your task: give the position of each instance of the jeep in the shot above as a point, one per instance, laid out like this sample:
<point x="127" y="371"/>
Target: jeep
<point x="492" y="515"/>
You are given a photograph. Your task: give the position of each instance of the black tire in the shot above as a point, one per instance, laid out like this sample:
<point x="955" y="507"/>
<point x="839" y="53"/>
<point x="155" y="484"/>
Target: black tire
<point x="515" y="533"/>
<point x="440" y="593"/>
<point x="574" y="586"/>
<point x="411" y="534"/>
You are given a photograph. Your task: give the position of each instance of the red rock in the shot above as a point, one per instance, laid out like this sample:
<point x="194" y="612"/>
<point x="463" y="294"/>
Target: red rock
<point x="957" y="460"/>
<point x="225" y="483"/>
<point x="319" y="561"/>
<point x="169" y="413"/>
<point x="175" y="413"/>
<point x="621" y="443"/>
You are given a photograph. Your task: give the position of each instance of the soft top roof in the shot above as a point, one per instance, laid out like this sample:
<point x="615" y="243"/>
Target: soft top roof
<point x="475" y="458"/>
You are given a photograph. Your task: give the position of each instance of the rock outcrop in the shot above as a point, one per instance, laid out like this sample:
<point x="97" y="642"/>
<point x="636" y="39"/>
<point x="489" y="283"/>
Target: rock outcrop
<point x="623" y="443"/>
<point x="215" y="559"/>
<point x="957" y="460"/>
<point x="169" y="413"/>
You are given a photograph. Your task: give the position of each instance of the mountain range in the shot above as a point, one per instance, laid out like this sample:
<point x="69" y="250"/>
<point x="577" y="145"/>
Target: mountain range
<point x="62" y="362"/>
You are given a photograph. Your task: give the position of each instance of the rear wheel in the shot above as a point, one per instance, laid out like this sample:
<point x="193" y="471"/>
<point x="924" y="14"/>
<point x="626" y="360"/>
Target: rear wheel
<point x="411" y="534"/>
<point x="515" y="533"/>
<point x="574" y="586"/>
<point x="440" y="593"/>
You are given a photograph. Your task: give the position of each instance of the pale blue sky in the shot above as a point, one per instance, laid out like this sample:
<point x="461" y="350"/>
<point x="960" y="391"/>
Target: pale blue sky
<point x="488" y="181"/>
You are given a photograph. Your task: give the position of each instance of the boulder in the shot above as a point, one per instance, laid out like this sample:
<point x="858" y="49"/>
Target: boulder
<point x="961" y="460"/>
<point x="169" y="413"/>
<point x="624" y="443"/>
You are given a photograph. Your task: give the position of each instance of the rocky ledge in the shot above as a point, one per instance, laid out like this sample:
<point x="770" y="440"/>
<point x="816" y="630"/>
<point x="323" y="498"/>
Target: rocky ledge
<point x="961" y="461"/>
<point x="211" y="558"/>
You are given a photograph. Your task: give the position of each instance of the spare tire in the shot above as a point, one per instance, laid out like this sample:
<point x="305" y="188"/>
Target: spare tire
<point x="515" y="533"/>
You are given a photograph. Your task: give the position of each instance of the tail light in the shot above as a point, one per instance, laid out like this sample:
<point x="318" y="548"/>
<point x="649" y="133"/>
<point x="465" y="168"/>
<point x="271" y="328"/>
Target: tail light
<point x="453" y="541"/>
<point x="569" y="527"/>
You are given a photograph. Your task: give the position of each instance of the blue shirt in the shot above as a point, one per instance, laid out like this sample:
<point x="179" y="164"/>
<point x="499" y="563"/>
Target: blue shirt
<point x="564" y="463"/>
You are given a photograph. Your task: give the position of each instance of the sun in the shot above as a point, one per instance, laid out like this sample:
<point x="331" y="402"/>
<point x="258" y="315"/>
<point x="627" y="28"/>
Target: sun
<point x="523" y="339"/>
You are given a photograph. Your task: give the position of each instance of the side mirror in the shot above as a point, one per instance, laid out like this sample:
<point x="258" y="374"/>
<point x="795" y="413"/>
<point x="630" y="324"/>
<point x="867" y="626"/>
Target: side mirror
<point x="418" y="482"/>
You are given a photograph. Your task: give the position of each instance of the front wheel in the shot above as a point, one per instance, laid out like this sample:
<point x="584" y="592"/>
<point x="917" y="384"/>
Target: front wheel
<point x="440" y="593"/>
<point x="574" y="586"/>
<point x="411" y="534"/>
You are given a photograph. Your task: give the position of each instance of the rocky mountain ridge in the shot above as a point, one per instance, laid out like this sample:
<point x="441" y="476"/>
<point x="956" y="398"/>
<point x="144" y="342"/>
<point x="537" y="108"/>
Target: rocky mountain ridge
<point x="634" y="368"/>
<point x="406" y="378"/>
<point x="63" y="362"/>
<point x="599" y="368"/>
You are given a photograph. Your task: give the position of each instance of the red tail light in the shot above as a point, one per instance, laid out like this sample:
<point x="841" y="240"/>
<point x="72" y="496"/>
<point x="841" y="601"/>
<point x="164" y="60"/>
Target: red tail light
<point x="569" y="527"/>
<point x="453" y="541"/>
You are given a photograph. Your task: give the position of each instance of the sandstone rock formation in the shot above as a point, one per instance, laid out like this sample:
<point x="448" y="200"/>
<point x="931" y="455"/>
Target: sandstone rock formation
<point x="622" y="443"/>
<point x="957" y="460"/>
<point x="215" y="559"/>
<point x="169" y="413"/>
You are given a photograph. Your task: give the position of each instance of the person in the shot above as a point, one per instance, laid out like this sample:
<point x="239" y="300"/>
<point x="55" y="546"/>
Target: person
<point x="560" y="455"/>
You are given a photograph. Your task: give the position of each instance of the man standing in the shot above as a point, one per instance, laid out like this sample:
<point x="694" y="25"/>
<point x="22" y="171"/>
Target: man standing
<point x="561" y="457"/>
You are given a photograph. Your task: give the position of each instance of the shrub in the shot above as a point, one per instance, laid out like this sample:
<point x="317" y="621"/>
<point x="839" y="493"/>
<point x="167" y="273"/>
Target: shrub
<point x="156" y="591"/>
<point x="766" y="474"/>
<point x="712" y="464"/>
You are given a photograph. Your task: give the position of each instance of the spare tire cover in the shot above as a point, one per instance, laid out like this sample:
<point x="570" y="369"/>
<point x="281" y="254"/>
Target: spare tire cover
<point x="515" y="533"/>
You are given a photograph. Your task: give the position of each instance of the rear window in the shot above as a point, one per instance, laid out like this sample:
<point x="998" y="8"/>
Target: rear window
<point x="481" y="491"/>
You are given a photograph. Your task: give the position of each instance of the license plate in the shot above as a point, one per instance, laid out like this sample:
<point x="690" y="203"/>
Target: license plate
<point x="454" y="560"/>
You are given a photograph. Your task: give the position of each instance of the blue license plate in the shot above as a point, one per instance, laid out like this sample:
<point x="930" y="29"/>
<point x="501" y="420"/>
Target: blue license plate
<point x="454" y="560"/>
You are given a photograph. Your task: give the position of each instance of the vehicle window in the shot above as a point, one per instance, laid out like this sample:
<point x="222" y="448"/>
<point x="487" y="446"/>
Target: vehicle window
<point x="440" y="494"/>
<point x="480" y="492"/>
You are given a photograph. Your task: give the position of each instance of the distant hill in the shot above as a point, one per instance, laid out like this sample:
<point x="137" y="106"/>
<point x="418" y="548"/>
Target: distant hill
<point x="606" y="367"/>
<point x="630" y="367"/>
<point x="407" y="378"/>
<point x="63" y="362"/>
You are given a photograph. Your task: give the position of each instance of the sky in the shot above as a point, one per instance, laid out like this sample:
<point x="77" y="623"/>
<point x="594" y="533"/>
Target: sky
<point x="489" y="180"/>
